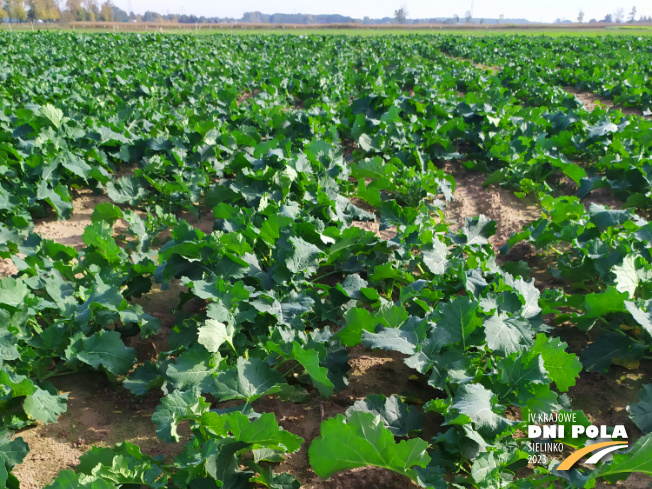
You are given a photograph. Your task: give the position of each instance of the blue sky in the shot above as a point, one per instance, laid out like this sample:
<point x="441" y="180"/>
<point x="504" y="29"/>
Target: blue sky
<point x="541" y="11"/>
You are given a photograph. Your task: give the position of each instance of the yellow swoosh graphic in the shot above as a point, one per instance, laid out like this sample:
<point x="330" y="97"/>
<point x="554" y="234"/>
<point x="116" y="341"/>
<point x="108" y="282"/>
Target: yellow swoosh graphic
<point x="570" y="461"/>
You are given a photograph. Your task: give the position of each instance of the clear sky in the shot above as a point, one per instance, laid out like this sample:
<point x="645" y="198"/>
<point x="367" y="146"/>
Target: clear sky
<point x="537" y="11"/>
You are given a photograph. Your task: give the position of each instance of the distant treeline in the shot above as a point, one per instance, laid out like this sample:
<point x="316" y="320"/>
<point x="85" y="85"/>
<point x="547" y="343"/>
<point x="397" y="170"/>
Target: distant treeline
<point x="260" y="18"/>
<point x="94" y="11"/>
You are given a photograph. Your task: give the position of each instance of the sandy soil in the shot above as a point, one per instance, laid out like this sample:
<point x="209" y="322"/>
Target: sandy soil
<point x="497" y="203"/>
<point x="69" y="232"/>
<point x="7" y="268"/>
<point x="373" y="226"/>
<point x="475" y="64"/>
<point x="590" y="101"/>
<point x="98" y="414"/>
<point x="246" y="95"/>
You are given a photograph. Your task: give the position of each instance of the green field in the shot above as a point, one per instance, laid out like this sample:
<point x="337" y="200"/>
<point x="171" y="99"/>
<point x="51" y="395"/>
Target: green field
<point x="269" y="260"/>
<point x="477" y="30"/>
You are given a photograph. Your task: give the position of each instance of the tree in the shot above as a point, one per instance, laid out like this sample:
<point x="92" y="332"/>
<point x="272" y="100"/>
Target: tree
<point x="619" y="15"/>
<point x="72" y="5"/>
<point x="74" y="11"/>
<point x="43" y="10"/>
<point x="3" y="13"/>
<point x="632" y="15"/>
<point x="501" y="17"/>
<point x="580" y="16"/>
<point x="468" y="16"/>
<point x="608" y="19"/>
<point x="106" y="12"/>
<point x="36" y="10"/>
<point x="456" y="18"/>
<point x="120" y="15"/>
<point x="400" y="15"/>
<point x="52" y="11"/>
<point x="92" y="9"/>
<point x="152" y="17"/>
<point x="15" y="10"/>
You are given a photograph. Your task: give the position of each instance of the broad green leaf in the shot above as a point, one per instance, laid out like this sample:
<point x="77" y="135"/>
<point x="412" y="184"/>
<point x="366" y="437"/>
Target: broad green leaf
<point x="520" y="370"/>
<point x="459" y="319"/>
<point x="143" y="378"/>
<point x="483" y="466"/>
<point x="12" y="291"/>
<point x="248" y="380"/>
<point x="644" y="319"/>
<point x="392" y="339"/>
<point x="8" y="348"/>
<point x="289" y="312"/>
<point x="12" y="452"/>
<point x="19" y="384"/>
<point x="508" y="335"/>
<point x="606" y="302"/>
<point x="399" y="418"/>
<point x="637" y="459"/>
<point x="7" y="479"/>
<point x="434" y="257"/>
<point x="309" y="359"/>
<point x="126" y="190"/>
<point x="529" y="295"/>
<point x="53" y="114"/>
<point x="597" y="357"/>
<point x="263" y="431"/>
<point x="103" y="349"/>
<point x="391" y="213"/>
<point x="388" y="271"/>
<point x="626" y="276"/>
<point x="271" y="479"/>
<point x="76" y="165"/>
<point x="176" y="407"/>
<point x="604" y="218"/>
<point x="100" y="236"/>
<point x="360" y="441"/>
<point x="602" y="129"/>
<point x="563" y="368"/>
<point x="123" y="464"/>
<point x="214" y="334"/>
<point x="57" y="196"/>
<point x="475" y="401"/>
<point x="224" y="466"/>
<point x="305" y="257"/>
<point x="641" y="412"/>
<point x="45" y="406"/>
<point x="357" y="321"/>
<point x="105" y="211"/>
<point x="193" y="369"/>
<point x="478" y="230"/>
<point x="67" y="479"/>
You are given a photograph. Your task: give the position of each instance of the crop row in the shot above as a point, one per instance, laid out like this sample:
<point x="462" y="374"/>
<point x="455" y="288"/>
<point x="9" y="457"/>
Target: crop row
<point x="291" y="143"/>
<point x="618" y="69"/>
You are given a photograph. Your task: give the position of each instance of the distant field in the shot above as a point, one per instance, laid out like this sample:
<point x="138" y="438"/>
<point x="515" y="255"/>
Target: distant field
<point x="475" y="30"/>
